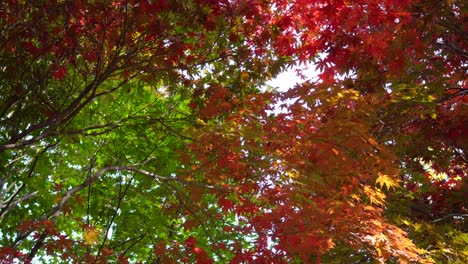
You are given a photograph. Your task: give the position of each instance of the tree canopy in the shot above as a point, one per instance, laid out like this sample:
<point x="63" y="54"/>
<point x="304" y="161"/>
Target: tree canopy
<point x="147" y="131"/>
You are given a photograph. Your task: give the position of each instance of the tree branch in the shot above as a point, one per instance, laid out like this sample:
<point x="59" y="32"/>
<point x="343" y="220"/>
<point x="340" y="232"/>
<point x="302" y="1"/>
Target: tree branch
<point x="450" y="216"/>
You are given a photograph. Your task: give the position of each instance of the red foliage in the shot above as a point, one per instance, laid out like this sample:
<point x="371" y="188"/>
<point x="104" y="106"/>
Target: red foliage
<point x="9" y="255"/>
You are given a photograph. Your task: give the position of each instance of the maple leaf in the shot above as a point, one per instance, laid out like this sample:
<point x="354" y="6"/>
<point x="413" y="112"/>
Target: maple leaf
<point x="190" y="242"/>
<point x="58" y="72"/>
<point x="385" y="180"/>
<point x="90" y="235"/>
<point x="375" y="196"/>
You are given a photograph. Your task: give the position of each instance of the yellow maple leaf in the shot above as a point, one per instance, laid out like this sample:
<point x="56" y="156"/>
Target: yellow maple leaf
<point x="385" y="180"/>
<point x="375" y="195"/>
<point x="90" y="235"/>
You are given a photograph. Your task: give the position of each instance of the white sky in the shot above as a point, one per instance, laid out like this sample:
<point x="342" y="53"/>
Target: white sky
<point x="285" y="80"/>
<point x="289" y="78"/>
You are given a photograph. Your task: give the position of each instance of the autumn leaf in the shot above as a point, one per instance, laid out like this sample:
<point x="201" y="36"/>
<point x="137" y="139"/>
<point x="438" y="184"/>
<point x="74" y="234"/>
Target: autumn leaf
<point x="90" y="235"/>
<point x="58" y="72"/>
<point x="375" y="195"/>
<point x="385" y="180"/>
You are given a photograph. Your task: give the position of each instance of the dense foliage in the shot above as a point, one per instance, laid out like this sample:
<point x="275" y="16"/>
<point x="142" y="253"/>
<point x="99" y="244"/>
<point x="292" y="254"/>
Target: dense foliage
<point x="145" y="131"/>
